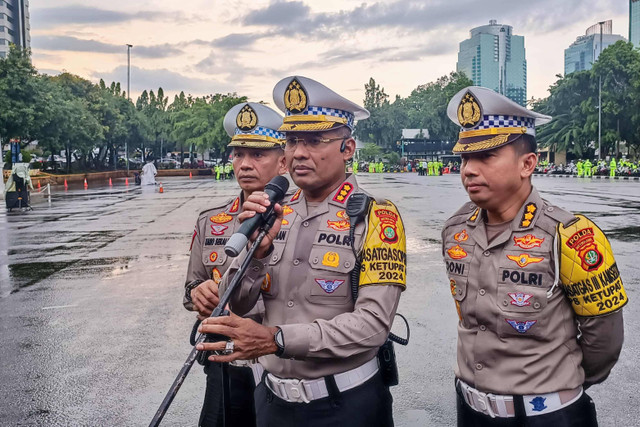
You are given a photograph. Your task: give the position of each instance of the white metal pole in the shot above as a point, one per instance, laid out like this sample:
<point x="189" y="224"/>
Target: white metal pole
<point x="600" y="101"/>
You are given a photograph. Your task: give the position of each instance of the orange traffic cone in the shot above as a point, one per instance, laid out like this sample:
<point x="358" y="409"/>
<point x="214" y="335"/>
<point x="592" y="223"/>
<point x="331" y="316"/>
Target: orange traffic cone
<point x="85" y="184"/>
<point x="160" y="190"/>
<point x="190" y="176"/>
<point x="38" y="184"/>
<point x="126" y="181"/>
<point x="65" y="183"/>
<point x="110" y="183"/>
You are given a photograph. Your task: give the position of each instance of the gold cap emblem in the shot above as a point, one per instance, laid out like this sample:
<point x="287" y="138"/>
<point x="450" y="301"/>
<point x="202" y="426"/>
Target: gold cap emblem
<point x="469" y="113"/>
<point x="246" y="119"/>
<point x="295" y="98"/>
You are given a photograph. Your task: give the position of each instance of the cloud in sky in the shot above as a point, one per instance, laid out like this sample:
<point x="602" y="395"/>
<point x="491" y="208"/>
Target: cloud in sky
<point x="294" y="17"/>
<point x="68" y="43"/>
<point x="50" y="17"/>
<point x="170" y="81"/>
<point x="247" y="45"/>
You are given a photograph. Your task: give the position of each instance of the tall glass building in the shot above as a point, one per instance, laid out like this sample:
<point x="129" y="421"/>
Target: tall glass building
<point x="493" y="57"/>
<point x="582" y="53"/>
<point x="14" y="25"/>
<point x="634" y="22"/>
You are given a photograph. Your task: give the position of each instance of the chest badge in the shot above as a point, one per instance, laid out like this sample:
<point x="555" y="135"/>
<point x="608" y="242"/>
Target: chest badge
<point x="218" y="230"/>
<point x="520" y="299"/>
<point x="524" y="259"/>
<point x="343" y="224"/>
<point x="266" y="283"/>
<point x="221" y="218"/>
<point x="213" y="257"/>
<point x="528" y="242"/>
<point x="461" y="236"/>
<point x="521" y="326"/>
<point x="286" y="210"/>
<point x="329" y="286"/>
<point x="216" y="276"/>
<point x="457" y="252"/>
<point x="331" y="259"/>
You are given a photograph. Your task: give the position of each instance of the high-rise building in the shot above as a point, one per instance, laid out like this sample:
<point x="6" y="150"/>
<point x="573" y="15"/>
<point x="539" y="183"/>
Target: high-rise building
<point x="582" y="53"/>
<point x="495" y="58"/>
<point x="14" y="25"/>
<point x="634" y="22"/>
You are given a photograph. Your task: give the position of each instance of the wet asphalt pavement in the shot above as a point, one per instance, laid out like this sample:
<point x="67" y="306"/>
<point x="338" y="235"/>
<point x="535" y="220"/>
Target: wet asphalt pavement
<point x="93" y="332"/>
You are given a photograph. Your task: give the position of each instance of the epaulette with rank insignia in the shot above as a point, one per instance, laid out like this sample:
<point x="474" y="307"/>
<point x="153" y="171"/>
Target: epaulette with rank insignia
<point x="207" y="211"/>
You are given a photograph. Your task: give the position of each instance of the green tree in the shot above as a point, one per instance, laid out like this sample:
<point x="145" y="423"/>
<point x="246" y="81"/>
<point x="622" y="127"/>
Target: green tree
<point x="20" y="95"/>
<point x="570" y="101"/>
<point x="370" y="152"/>
<point x="619" y="68"/>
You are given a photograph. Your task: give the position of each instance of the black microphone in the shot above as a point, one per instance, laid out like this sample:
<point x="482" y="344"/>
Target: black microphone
<point x="276" y="189"/>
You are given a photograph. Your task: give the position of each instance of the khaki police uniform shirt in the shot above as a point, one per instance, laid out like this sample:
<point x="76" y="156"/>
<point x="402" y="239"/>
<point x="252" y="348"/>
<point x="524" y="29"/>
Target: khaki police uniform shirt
<point x="208" y="259"/>
<point x="305" y="285"/>
<point x="512" y="337"/>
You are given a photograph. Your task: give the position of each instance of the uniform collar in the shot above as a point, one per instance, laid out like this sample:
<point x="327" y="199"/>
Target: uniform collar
<point x="235" y="205"/>
<point x="338" y="197"/>
<point x="526" y="219"/>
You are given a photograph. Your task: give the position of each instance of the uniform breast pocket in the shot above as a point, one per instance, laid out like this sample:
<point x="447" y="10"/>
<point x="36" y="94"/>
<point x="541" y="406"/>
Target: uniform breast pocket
<point x="213" y="256"/>
<point x="521" y="310"/>
<point x="458" y="287"/>
<point x="329" y="279"/>
<point x="269" y="286"/>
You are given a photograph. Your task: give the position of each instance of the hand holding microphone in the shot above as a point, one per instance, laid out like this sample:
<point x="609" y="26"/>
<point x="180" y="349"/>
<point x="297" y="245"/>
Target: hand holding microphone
<point x="257" y="210"/>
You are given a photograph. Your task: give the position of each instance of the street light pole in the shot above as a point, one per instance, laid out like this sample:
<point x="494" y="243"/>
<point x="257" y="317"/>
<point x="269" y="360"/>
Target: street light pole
<point x="600" y="100"/>
<point x="126" y="143"/>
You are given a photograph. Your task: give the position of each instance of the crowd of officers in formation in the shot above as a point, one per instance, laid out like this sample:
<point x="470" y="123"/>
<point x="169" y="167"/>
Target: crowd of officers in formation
<point x="422" y="167"/>
<point x="223" y="171"/>
<point x="535" y="289"/>
<point x="588" y="168"/>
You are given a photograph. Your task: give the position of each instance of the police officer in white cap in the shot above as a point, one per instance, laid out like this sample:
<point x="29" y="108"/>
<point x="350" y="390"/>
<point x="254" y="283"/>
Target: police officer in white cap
<point x="536" y="288"/>
<point x="258" y="156"/>
<point x="317" y="344"/>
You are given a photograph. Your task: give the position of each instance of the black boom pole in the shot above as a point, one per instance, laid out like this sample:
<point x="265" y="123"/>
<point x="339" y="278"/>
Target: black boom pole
<point x="217" y="312"/>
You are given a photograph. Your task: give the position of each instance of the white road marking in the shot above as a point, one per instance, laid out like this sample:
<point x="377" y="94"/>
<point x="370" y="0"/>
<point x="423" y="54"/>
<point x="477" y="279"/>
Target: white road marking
<point x="59" y="306"/>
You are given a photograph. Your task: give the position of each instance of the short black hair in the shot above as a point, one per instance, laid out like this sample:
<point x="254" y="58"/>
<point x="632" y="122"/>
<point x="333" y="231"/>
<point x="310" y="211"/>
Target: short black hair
<point x="525" y="144"/>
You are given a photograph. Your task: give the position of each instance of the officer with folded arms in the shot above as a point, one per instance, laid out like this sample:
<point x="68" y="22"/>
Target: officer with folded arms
<point x="317" y="345"/>
<point x="536" y="288"/>
<point x="258" y="156"/>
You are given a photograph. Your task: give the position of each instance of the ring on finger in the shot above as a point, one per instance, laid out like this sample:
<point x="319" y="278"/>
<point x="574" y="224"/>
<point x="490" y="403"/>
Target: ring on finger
<point x="228" y="348"/>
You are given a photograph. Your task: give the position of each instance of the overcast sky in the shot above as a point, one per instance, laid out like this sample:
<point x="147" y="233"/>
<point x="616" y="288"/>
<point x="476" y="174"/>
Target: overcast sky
<point x="246" y="46"/>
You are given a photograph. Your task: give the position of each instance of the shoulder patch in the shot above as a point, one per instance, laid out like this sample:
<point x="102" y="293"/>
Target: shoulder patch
<point x="384" y="253"/>
<point x="588" y="269"/>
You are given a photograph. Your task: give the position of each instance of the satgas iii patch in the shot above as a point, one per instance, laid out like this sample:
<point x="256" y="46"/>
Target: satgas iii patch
<point x="384" y="253"/>
<point x="588" y="270"/>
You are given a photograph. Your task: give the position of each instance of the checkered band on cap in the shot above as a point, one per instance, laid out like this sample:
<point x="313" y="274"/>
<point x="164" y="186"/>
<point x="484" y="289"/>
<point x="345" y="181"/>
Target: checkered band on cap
<point x="491" y="121"/>
<point x="322" y="111"/>
<point x="259" y="130"/>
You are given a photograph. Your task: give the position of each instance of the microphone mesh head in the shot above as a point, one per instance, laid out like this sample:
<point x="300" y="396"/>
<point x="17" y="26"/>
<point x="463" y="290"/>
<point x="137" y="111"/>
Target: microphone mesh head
<point x="279" y="185"/>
